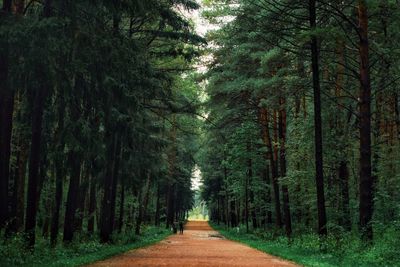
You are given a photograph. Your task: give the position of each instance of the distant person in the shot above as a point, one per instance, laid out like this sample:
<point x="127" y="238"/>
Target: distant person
<point x="181" y="227"/>
<point x="175" y="227"/>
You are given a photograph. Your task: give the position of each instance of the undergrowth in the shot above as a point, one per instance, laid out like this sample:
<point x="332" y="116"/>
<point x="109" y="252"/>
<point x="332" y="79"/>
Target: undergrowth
<point x="82" y="251"/>
<point x="345" y="249"/>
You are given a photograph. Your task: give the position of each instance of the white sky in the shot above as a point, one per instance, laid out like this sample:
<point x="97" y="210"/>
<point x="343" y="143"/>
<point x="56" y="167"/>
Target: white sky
<point x="196" y="178"/>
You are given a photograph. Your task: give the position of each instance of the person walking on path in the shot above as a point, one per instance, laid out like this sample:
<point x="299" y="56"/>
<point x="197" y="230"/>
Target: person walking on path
<point x="181" y="227"/>
<point x="175" y="227"/>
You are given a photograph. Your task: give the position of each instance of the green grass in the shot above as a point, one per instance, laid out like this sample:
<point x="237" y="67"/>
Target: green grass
<point x="346" y="250"/>
<point x="80" y="253"/>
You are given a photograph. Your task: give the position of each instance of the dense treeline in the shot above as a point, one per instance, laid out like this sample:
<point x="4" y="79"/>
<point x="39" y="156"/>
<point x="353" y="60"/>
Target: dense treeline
<point x="304" y="105"/>
<point x="94" y="116"/>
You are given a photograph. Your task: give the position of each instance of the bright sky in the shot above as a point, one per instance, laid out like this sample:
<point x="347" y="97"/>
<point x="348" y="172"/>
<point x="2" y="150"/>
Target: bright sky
<point x="201" y="27"/>
<point x="196" y="178"/>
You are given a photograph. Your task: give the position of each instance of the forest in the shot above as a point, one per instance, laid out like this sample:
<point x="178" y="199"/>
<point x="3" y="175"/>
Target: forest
<point x="303" y="99"/>
<point x="289" y="109"/>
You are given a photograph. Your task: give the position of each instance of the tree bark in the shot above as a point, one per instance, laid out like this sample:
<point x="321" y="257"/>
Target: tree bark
<point x="246" y="195"/>
<point x="6" y="109"/>
<point x="121" y="207"/>
<point x="34" y="162"/>
<point x="143" y="205"/>
<point x="115" y="183"/>
<point x="92" y="205"/>
<point x="273" y="163"/>
<point x="72" y="197"/>
<point x="157" y="213"/>
<point x="108" y="184"/>
<point x="319" y="173"/>
<point x="282" y="158"/>
<point x="345" y="200"/>
<point x="59" y="171"/>
<point x="82" y="199"/>
<point x="366" y="179"/>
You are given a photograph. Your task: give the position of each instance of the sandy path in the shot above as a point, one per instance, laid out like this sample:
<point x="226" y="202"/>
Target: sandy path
<point x="198" y="246"/>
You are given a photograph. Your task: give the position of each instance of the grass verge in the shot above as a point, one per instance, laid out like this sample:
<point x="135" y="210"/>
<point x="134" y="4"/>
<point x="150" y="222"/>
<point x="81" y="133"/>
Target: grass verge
<point x="77" y="253"/>
<point x="305" y="250"/>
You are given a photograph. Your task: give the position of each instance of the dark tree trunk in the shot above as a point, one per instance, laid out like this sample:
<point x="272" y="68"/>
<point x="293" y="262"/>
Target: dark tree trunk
<point x="218" y="212"/>
<point x="273" y="163"/>
<point x="266" y="175"/>
<point x="285" y="191"/>
<point x="171" y="181"/>
<point x="250" y="193"/>
<point x="82" y="199"/>
<point x="233" y="214"/>
<point x="115" y="183"/>
<point x="46" y="222"/>
<point x="397" y="113"/>
<point x="72" y="197"/>
<point x="170" y="205"/>
<point x="92" y="205"/>
<point x="17" y="202"/>
<point x="121" y="207"/>
<point x="343" y="174"/>
<point x="108" y="188"/>
<point x="75" y="164"/>
<point x="35" y="155"/>
<point x="34" y="162"/>
<point x="366" y="179"/>
<point x="6" y="109"/>
<point x="275" y="173"/>
<point x="143" y="205"/>
<point x="7" y="6"/>
<point x="157" y="214"/>
<point x="59" y="171"/>
<point x="246" y="193"/>
<point x="319" y="174"/>
<point x="55" y="222"/>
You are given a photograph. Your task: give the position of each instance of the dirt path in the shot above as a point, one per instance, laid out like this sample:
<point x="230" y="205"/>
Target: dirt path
<point x="199" y="246"/>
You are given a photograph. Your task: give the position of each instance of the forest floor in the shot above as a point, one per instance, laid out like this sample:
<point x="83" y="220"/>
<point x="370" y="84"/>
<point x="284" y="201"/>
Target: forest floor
<point x="200" y="245"/>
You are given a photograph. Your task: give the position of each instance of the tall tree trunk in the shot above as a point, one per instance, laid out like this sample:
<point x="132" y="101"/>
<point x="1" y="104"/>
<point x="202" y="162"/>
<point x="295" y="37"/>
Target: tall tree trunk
<point x="55" y="222"/>
<point x="268" y="213"/>
<point x="282" y="157"/>
<point x="121" y="206"/>
<point x="108" y="188"/>
<point x="366" y="179"/>
<point x="82" y="198"/>
<point x="17" y="202"/>
<point x="397" y="113"/>
<point x="143" y="205"/>
<point x="92" y="205"/>
<point x="319" y="173"/>
<point x="7" y="6"/>
<point x="171" y="179"/>
<point x="59" y="171"/>
<point x="246" y="192"/>
<point x="115" y="183"/>
<point x="157" y="213"/>
<point x="273" y="164"/>
<point x="34" y="162"/>
<point x="40" y="95"/>
<point x="170" y="204"/>
<point x="6" y="109"/>
<point x="72" y="197"/>
<point x="345" y="200"/>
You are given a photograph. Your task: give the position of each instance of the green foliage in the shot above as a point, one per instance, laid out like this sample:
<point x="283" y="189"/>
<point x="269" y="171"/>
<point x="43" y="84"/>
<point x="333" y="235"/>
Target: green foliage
<point x="83" y="251"/>
<point x="305" y="249"/>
